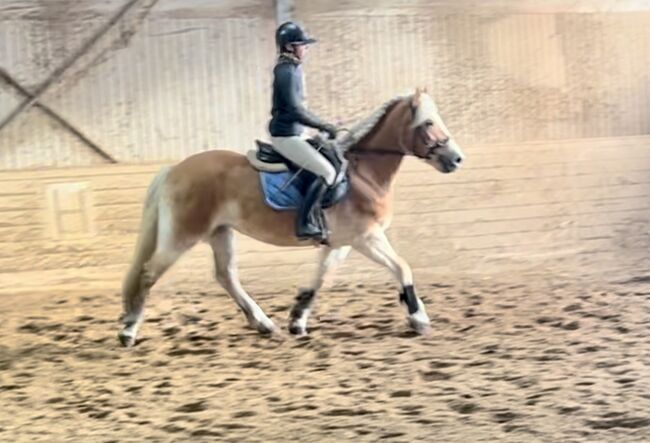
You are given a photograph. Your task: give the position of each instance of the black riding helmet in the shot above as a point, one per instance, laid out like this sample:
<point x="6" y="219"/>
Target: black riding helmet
<point x="289" y="33"/>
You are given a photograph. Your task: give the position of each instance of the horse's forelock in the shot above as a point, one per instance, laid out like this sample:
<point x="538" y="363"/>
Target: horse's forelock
<point x="427" y="110"/>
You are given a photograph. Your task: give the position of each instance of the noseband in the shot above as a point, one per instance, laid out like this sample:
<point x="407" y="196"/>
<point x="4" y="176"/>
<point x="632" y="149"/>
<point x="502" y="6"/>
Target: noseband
<point x="430" y="145"/>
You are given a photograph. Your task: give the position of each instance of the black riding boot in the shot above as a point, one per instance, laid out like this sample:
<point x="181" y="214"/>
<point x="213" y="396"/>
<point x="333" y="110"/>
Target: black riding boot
<point x="311" y="221"/>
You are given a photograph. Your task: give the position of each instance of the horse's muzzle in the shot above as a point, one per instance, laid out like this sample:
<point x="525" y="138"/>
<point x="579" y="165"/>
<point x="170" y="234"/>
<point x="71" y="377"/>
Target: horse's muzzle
<point x="448" y="165"/>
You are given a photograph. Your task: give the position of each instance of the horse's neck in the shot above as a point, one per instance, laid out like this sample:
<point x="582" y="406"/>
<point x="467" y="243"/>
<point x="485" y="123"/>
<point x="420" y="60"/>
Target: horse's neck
<point x="378" y="171"/>
<point x="387" y="140"/>
<point x="388" y="133"/>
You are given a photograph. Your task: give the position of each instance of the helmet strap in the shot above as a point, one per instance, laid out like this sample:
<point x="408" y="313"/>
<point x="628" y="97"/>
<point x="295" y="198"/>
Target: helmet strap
<point x="289" y="57"/>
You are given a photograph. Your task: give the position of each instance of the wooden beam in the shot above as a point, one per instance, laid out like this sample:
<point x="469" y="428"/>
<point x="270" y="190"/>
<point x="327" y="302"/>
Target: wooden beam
<point x="10" y="81"/>
<point x="67" y="64"/>
<point x="283" y="10"/>
<point x="306" y="8"/>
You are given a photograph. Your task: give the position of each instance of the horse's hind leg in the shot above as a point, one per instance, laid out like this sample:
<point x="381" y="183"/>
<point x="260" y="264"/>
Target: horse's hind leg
<point x="223" y="249"/>
<point x="148" y="266"/>
<point x="134" y="312"/>
<point x="328" y="259"/>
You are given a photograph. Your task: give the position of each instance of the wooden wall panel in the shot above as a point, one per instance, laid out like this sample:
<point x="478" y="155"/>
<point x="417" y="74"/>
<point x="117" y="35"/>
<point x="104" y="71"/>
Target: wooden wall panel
<point x="590" y="216"/>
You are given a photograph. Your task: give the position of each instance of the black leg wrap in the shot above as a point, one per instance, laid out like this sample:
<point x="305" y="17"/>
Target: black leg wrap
<point x="408" y="297"/>
<point x="303" y="301"/>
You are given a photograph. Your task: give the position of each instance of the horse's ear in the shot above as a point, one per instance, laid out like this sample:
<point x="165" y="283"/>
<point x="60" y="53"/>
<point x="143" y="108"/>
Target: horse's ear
<point x="416" y="97"/>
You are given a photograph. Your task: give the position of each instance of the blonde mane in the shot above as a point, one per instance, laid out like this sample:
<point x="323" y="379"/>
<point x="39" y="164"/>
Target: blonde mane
<point x="426" y="110"/>
<point x="363" y="128"/>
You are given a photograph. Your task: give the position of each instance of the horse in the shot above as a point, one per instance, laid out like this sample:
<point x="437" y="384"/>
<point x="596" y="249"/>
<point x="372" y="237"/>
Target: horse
<point x="210" y="195"/>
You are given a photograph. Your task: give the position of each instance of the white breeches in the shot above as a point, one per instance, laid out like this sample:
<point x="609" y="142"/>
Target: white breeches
<point x="305" y="156"/>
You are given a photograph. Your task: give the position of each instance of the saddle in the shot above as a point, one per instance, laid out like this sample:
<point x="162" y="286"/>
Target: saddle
<point x="284" y="183"/>
<point x="267" y="159"/>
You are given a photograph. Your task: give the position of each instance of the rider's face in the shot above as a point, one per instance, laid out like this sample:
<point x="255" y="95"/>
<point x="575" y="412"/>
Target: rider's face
<point x="300" y="51"/>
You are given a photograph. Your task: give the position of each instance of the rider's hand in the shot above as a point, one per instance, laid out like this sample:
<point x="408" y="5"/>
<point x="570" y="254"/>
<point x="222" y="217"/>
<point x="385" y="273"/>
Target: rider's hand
<point x="331" y="130"/>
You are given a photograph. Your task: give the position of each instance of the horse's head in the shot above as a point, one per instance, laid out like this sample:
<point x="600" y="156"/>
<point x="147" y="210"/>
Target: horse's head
<point x="432" y="141"/>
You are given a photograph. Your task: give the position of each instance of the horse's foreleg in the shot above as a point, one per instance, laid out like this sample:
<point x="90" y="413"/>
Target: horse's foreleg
<point x="375" y="245"/>
<point x="328" y="259"/>
<point x="223" y="249"/>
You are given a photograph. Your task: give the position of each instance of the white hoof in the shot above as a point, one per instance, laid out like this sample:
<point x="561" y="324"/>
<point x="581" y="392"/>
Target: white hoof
<point x="419" y="321"/>
<point x="265" y="327"/>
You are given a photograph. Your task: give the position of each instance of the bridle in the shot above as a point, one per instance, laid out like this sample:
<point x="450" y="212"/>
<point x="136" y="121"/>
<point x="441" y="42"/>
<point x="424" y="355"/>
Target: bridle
<point x="431" y="145"/>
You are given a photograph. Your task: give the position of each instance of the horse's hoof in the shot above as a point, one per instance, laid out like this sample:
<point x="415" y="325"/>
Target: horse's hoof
<point x="265" y="328"/>
<point x="420" y="327"/>
<point x="126" y="340"/>
<point x="297" y="330"/>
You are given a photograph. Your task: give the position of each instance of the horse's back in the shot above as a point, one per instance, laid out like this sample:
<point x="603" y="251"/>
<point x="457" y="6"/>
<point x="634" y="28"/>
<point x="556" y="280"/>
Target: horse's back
<point x="210" y="162"/>
<point x="200" y="185"/>
<point x="207" y="168"/>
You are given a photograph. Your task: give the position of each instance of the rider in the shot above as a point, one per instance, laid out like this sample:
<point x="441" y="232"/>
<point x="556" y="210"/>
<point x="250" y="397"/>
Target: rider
<point x="289" y="116"/>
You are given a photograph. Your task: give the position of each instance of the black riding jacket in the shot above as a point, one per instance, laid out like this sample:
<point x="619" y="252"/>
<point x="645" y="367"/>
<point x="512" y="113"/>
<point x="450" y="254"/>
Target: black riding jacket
<point x="289" y="116"/>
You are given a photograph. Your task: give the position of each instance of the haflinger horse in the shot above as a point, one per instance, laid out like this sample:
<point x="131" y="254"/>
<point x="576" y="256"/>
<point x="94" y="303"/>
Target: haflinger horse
<point x="210" y="195"/>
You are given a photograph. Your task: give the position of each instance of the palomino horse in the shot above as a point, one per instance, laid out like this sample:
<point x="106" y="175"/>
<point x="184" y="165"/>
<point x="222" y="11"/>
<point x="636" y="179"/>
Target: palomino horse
<point x="211" y="194"/>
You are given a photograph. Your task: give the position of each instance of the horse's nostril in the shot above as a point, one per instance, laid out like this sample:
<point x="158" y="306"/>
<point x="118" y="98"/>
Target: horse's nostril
<point x="459" y="160"/>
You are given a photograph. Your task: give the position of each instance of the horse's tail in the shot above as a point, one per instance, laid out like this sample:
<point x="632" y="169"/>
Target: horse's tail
<point x="146" y="244"/>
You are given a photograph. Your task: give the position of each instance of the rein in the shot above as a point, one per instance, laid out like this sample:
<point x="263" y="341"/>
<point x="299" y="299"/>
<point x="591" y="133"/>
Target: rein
<point x="376" y="152"/>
